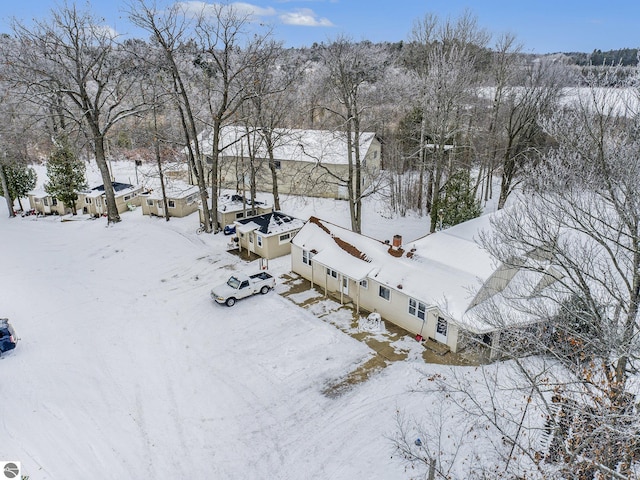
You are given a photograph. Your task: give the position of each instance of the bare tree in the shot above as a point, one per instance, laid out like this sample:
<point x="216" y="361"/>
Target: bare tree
<point x="444" y="57"/>
<point x="74" y="65"/>
<point x="350" y="72"/>
<point x="269" y="85"/>
<point x="171" y="30"/>
<point x="502" y="69"/>
<point x="19" y="146"/>
<point x="522" y="108"/>
<point x="228" y="51"/>
<point x="575" y="240"/>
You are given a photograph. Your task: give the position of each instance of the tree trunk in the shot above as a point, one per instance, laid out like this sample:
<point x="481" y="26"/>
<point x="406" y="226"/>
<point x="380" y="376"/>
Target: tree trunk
<point x="5" y="189"/>
<point x="156" y="147"/>
<point x="112" y="210"/>
<point x="274" y="181"/>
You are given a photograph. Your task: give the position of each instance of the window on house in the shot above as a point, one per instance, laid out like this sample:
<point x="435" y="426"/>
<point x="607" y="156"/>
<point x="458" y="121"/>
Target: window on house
<point x="46" y="202"/>
<point x="375" y="154"/>
<point x="54" y="201"/>
<point x="285" y="237"/>
<point x="239" y="214"/>
<point x="277" y="164"/>
<point x="259" y="241"/>
<point x="441" y="327"/>
<point x="306" y="257"/>
<point x="149" y="202"/>
<point x="384" y="292"/>
<point x="172" y="203"/>
<point x="417" y="309"/>
<point x="127" y="198"/>
<point x="191" y="199"/>
<point x="332" y="273"/>
<point x="364" y="283"/>
<point x="87" y="201"/>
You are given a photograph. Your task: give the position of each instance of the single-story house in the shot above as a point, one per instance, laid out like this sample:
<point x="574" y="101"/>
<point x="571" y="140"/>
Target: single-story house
<point x="45" y="204"/>
<point x="232" y="207"/>
<point x="268" y="235"/>
<point x="433" y="287"/>
<point x="182" y="200"/>
<point x="306" y="161"/>
<point x="93" y="202"/>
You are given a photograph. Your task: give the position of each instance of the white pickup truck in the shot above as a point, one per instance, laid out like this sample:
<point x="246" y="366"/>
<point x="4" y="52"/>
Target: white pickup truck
<point x="240" y="286"/>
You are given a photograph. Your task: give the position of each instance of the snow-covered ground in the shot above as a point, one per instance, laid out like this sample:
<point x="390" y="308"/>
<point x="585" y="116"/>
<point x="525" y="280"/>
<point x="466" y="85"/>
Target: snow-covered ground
<point x="127" y="369"/>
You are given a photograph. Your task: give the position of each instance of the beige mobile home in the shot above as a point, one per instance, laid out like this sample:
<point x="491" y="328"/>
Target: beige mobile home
<point x="306" y="162"/>
<point x="45" y="204"/>
<point x="427" y="286"/>
<point x="182" y="200"/>
<point x="268" y="235"/>
<point x="93" y="202"/>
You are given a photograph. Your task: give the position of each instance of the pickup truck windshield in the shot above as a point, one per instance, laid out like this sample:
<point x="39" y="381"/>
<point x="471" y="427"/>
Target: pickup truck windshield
<point x="233" y="282"/>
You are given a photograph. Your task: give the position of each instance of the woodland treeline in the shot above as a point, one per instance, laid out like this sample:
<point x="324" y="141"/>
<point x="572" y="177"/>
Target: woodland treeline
<point x="454" y="105"/>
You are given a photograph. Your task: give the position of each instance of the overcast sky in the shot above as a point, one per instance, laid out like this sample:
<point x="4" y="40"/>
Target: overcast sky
<point x="541" y="26"/>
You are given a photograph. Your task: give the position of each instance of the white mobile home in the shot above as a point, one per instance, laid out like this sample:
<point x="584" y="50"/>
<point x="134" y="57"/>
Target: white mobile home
<point x="432" y="287"/>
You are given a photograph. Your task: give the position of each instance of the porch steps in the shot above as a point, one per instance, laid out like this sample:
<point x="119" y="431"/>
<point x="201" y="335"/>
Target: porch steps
<point x="436" y="347"/>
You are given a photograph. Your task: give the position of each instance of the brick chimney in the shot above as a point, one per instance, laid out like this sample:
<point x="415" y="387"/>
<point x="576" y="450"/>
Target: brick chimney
<point x="396" y="247"/>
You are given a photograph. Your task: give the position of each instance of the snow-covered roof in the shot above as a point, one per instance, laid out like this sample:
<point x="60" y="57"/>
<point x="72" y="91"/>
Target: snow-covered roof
<point x="235" y="203"/>
<point x="444" y="270"/>
<point x="174" y="190"/>
<point x="323" y="146"/>
<point x="38" y="193"/>
<point x="119" y="189"/>
<point x="273" y="223"/>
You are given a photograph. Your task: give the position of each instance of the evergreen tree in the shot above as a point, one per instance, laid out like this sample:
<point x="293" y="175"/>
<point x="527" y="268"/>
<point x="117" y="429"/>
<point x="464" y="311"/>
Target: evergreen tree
<point x="459" y="203"/>
<point x="20" y="181"/>
<point x="66" y="176"/>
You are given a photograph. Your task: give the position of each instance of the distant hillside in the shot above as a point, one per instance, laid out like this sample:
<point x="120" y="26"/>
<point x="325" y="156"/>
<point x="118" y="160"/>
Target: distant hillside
<point x="625" y="56"/>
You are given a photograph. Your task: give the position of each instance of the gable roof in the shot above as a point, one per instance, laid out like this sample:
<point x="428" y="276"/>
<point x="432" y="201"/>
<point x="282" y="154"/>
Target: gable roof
<point x="39" y="193"/>
<point x="443" y="269"/>
<point x="313" y="146"/>
<point x="269" y="223"/>
<point x="118" y="188"/>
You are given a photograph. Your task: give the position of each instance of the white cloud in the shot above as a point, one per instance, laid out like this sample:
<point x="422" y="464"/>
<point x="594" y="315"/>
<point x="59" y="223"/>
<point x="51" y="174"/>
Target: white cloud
<point x="196" y="8"/>
<point x="305" y="17"/>
<point x="250" y="9"/>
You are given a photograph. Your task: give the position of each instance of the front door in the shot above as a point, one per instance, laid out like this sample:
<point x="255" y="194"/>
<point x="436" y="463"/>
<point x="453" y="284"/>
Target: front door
<point x="99" y="203"/>
<point x="345" y="285"/>
<point x="160" y="204"/>
<point x="441" y="330"/>
<point x="252" y="239"/>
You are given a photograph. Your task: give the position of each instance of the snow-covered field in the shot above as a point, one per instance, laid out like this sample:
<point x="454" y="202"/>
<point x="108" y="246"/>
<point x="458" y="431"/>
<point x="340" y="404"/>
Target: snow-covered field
<point x="127" y="369"/>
